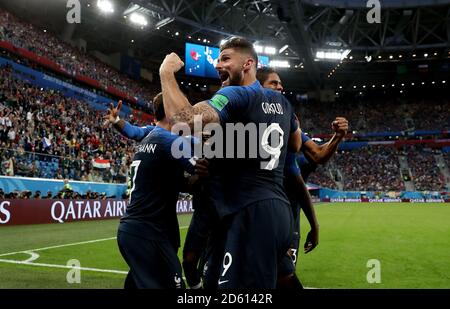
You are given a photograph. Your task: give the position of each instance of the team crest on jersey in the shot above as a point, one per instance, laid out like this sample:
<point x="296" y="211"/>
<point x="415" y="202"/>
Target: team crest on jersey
<point x="219" y="101"/>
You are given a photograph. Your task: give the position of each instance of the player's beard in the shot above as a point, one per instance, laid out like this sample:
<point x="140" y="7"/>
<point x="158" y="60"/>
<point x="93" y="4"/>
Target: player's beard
<point x="236" y="78"/>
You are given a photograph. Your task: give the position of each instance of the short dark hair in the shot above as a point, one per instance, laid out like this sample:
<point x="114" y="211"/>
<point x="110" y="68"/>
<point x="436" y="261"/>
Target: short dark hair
<point x="262" y="74"/>
<point x="158" y="106"/>
<point x="242" y="45"/>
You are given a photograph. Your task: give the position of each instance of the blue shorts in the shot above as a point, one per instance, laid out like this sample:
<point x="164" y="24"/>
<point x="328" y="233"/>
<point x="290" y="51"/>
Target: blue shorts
<point x="254" y="244"/>
<point x="153" y="264"/>
<point x="292" y="193"/>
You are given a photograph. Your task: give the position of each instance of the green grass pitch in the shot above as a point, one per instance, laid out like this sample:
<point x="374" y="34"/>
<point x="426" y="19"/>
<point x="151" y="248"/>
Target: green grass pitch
<point x="410" y="241"/>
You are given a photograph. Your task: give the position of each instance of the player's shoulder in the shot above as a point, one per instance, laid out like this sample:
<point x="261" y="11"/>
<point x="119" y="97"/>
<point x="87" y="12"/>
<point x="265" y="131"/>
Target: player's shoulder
<point x="236" y="95"/>
<point x="277" y="96"/>
<point x="160" y="135"/>
<point x="148" y="127"/>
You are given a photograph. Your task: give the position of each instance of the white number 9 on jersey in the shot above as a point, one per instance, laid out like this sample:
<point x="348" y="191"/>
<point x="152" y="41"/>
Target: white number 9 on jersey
<point x="274" y="152"/>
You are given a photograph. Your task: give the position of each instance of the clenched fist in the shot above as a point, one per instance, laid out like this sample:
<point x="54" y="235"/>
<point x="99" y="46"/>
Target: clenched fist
<point x="171" y="64"/>
<point x="340" y="126"/>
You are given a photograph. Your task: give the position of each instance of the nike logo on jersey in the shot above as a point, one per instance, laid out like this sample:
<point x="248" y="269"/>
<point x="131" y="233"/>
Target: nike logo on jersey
<point x="272" y="108"/>
<point x="222" y="282"/>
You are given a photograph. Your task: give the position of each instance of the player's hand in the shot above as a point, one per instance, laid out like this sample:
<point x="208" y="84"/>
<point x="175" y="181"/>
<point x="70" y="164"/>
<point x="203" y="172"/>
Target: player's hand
<point x="201" y="167"/>
<point x="171" y="64"/>
<point x="112" y="113"/>
<point x="340" y="126"/>
<point x="312" y="240"/>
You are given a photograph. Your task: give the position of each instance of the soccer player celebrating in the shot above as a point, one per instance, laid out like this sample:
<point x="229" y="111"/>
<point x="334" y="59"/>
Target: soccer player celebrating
<point x="148" y="234"/>
<point x="204" y="216"/>
<point x="247" y="193"/>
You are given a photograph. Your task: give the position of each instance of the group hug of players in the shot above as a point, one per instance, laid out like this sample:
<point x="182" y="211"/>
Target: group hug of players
<point x="244" y="231"/>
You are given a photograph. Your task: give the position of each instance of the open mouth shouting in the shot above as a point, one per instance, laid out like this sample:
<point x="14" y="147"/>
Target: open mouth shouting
<point x="224" y="78"/>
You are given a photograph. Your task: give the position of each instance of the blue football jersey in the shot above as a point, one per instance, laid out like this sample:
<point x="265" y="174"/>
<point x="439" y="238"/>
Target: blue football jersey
<point x="156" y="180"/>
<point x="255" y="173"/>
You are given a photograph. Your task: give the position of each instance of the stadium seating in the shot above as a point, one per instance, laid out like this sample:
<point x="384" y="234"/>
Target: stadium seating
<point x="72" y="60"/>
<point x="378" y="115"/>
<point x="427" y="176"/>
<point x="47" y="142"/>
<point x="377" y="168"/>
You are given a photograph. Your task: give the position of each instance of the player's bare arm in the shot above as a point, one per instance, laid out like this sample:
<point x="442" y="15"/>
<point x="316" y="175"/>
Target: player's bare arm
<point x="321" y="154"/>
<point x="177" y="107"/>
<point x="186" y="115"/>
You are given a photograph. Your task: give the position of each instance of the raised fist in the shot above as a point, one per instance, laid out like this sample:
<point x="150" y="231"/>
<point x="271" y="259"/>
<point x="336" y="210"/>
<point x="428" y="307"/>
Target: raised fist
<point x="340" y="126"/>
<point x="171" y="64"/>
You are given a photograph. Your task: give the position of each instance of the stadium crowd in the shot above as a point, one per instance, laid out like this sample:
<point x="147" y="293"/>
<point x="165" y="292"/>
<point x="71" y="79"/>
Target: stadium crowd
<point x="426" y="173"/>
<point x="71" y="59"/>
<point x="377" y="168"/>
<point x="378" y="115"/>
<point x="447" y="158"/>
<point x="373" y="169"/>
<point x="39" y="137"/>
<point x="322" y="176"/>
<point x="368" y="115"/>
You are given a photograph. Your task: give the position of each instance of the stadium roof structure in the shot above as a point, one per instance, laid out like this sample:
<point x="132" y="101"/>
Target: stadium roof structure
<point x="385" y="3"/>
<point x="305" y="26"/>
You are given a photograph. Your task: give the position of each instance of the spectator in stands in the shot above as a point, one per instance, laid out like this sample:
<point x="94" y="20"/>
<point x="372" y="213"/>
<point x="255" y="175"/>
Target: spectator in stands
<point x="26" y="194"/>
<point x="37" y="195"/>
<point x="8" y="165"/>
<point x="67" y="186"/>
<point x="59" y="195"/>
<point x="15" y="194"/>
<point x="49" y="195"/>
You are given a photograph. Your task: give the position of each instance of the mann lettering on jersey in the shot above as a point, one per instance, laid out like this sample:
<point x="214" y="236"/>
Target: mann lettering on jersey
<point x="219" y="101"/>
<point x="147" y="148"/>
